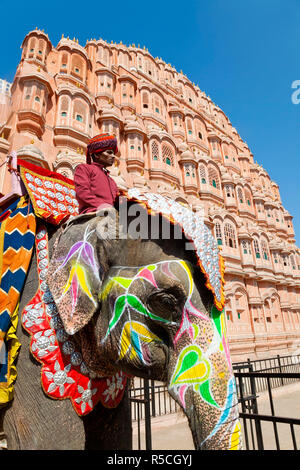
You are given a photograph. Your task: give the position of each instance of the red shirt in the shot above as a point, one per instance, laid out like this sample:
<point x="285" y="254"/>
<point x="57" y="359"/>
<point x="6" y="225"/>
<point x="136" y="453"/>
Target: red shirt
<point x="94" y="187"/>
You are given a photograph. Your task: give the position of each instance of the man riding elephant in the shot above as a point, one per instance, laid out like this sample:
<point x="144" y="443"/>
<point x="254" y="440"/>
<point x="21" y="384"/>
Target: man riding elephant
<point x="94" y="187"/>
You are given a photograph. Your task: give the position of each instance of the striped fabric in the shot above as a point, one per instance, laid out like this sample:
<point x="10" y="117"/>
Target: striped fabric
<point x="17" y="235"/>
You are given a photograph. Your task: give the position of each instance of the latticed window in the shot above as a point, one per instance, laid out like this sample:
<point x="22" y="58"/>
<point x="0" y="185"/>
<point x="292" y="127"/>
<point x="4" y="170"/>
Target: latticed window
<point x="248" y="197"/>
<point x="202" y="172"/>
<point x="64" y="60"/>
<point x="167" y="155"/>
<point x="145" y="100"/>
<point x="264" y="249"/>
<point x="189" y="127"/>
<point x="187" y="169"/>
<point x="240" y="195"/>
<point x="79" y="111"/>
<point x="105" y="55"/>
<point x="27" y="92"/>
<point x="64" y="106"/>
<point x="229" y="234"/>
<point x="77" y="65"/>
<point x="245" y="247"/>
<point x="41" y="47"/>
<point x="218" y="232"/>
<point x="213" y="177"/>
<point x="229" y="190"/>
<point x="256" y="248"/>
<point x="293" y="263"/>
<point x="154" y="150"/>
<point x="157" y="105"/>
<point x="32" y="46"/>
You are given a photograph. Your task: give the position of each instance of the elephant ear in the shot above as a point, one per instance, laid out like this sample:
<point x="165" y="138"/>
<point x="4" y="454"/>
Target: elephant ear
<point x="74" y="275"/>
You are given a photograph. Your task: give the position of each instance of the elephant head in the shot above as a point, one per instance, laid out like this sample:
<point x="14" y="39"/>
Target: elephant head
<point x="145" y="309"/>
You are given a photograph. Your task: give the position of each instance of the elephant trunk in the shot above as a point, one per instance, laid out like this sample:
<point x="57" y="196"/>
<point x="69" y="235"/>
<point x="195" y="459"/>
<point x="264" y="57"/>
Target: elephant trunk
<point x="213" y="427"/>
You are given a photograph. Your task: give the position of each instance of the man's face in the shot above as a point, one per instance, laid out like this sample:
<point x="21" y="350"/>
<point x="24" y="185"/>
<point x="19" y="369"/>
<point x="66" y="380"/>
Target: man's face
<point x="106" y="158"/>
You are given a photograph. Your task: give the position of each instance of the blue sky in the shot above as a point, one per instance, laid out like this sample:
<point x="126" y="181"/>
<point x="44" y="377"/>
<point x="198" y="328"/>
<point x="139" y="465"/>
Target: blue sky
<point x="243" y="54"/>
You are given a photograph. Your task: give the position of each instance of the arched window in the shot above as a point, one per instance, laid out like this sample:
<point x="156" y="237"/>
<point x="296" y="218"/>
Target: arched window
<point x="202" y="172"/>
<point x="218" y="232"/>
<point x="64" y="106"/>
<point x="240" y="195"/>
<point x="229" y="234"/>
<point x="167" y="155"/>
<point x="154" y="150"/>
<point x="246" y="246"/>
<point x="38" y="97"/>
<point x="293" y="263"/>
<point x="229" y="191"/>
<point x="157" y="105"/>
<point x="264" y="249"/>
<point x="189" y="126"/>
<point x="248" y="197"/>
<point x="77" y="66"/>
<point x="40" y="49"/>
<point x="145" y="100"/>
<point x="32" y="46"/>
<point x="27" y="92"/>
<point x="105" y="56"/>
<point x="79" y="112"/>
<point x="256" y="248"/>
<point x="213" y="177"/>
<point x="64" y="61"/>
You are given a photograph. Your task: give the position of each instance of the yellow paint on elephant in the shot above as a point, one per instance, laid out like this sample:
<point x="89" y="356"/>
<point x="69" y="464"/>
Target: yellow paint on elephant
<point x="200" y="371"/>
<point x="106" y="289"/>
<point x="143" y="333"/>
<point x="78" y="271"/>
<point x="189" y="273"/>
<point x="235" y="441"/>
<point x="191" y="367"/>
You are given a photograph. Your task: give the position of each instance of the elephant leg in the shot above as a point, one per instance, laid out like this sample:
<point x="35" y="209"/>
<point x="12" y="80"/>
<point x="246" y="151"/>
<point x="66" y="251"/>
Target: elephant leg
<point x="109" y="428"/>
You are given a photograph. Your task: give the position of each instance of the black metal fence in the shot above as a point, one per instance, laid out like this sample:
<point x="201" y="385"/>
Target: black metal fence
<point x="252" y="420"/>
<point x="276" y="364"/>
<point x="151" y="399"/>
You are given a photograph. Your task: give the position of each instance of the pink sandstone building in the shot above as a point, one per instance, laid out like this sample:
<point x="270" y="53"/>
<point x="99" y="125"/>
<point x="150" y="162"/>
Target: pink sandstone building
<point x="173" y="140"/>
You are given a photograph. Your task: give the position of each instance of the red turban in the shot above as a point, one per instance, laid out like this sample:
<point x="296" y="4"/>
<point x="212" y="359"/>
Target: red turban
<point x="100" y="143"/>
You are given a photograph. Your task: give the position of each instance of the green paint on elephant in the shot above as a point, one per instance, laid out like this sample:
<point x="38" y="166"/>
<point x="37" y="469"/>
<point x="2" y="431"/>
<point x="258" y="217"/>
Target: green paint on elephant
<point x="204" y="390"/>
<point x="195" y="330"/>
<point x="216" y="316"/>
<point x="123" y="281"/>
<point x="191" y="367"/>
<point x="135" y="303"/>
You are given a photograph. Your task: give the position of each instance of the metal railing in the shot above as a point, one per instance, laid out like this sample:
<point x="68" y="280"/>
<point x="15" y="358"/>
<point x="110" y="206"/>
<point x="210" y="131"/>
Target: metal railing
<point x="280" y="364"/>
<point x="151" y="399"/>
<point x="254" y="435"/>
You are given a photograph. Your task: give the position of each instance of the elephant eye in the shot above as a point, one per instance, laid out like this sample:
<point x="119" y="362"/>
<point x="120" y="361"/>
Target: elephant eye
<point x="165" y="303"/>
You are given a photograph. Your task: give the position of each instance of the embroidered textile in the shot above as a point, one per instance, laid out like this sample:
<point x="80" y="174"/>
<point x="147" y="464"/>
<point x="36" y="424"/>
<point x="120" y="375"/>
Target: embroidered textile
<point x="64" y="374"/>
<point x="17" y="233"/>
<point x="52" y="195"/>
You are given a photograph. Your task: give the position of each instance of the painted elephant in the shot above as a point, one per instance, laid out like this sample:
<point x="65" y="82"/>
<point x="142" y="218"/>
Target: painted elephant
<point x="139" y="305"/>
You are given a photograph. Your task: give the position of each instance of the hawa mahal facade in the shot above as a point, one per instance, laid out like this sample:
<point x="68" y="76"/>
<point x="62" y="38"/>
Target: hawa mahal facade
<point x="173" y="140"/>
